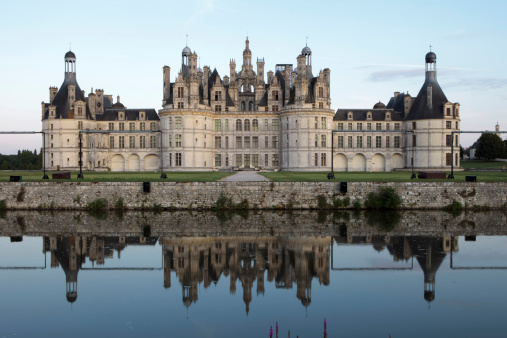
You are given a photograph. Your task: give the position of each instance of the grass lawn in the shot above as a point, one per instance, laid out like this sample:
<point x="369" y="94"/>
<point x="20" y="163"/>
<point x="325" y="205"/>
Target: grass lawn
<point x="479" y="164"/>
<point x="91" y="176"/>
<point x="459" y="176"/>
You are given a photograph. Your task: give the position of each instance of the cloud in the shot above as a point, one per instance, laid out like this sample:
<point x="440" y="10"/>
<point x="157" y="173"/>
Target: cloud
<point x="479" y="83"/>
<point x="391" y="74"/>
<point x="459" y="34"/>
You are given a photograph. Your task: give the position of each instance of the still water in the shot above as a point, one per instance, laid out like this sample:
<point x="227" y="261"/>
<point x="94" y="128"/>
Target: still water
<point x="235" y="275"/>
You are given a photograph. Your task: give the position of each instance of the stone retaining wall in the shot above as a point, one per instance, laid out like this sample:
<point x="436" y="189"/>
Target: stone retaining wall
<point x="259" y="195"/>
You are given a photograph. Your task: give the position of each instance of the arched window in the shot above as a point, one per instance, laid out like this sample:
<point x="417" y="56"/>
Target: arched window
<point x="242" y="105"/>
<point x="242" y="88"/>
<point x="247" y="125"/>
<point x="250" y="106"/>
<point x="238" y="125"/>
<point x="251" y="88"/>
<point x="255" y="125"/>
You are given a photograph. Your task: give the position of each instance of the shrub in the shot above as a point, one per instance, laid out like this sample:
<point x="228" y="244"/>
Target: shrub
<point x="21" y="194"/>
<point x="455" y="208"/>
<point x="337" y="203"/>
<point x="119" y="203"/>
<point x="346" y="201"/>
<point x="98" y="204"/>
<point x="385" y="198"/>
<point x="322" y="202"/>
<point x="357" y="204"/>
<point x="3" y="204"/>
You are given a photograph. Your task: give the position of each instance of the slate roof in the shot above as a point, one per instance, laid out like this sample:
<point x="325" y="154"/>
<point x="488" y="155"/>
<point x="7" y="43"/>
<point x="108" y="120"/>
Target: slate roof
<point x="360" y="114"/>
<point x="420" y="109"/>
<point x="61" y="100"/>
<point x="130" y="114"/>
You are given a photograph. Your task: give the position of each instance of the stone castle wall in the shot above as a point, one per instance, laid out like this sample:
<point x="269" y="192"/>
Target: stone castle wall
<point x="260" y="195"/>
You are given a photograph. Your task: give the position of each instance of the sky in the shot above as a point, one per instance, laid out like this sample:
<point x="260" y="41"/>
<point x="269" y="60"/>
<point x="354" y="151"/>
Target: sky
<point x="373" y="49"/>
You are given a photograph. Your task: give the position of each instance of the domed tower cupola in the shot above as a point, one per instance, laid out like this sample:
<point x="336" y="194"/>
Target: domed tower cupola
<point x="185" y="53"/>
<point x="70" y="65"/>
<point x="431" y="65"/>
<point x="307" y="53"/>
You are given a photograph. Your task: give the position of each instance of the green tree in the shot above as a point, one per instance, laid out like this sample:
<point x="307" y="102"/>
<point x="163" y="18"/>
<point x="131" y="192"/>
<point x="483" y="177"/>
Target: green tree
<point x="490" y="147"/>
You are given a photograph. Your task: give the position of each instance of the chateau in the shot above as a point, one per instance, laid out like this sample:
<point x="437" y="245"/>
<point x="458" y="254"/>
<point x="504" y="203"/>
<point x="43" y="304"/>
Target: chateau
<point x="280" y="120"/>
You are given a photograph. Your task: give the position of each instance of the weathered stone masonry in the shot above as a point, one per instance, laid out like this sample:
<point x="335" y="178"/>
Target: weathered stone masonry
<point x="260" y="195"/>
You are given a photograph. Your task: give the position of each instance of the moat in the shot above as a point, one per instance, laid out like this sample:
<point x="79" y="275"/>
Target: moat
<point x="206" y="274"/>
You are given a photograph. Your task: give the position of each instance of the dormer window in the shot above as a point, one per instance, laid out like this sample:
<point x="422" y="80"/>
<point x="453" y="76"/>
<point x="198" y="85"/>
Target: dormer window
<point x="369" y="116"/>
<point x="350" y="116"/>
<point x="388" y="116"/>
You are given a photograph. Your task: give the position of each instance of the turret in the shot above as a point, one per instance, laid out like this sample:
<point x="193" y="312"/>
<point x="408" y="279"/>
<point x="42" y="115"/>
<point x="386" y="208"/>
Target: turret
<point x="232" y="67"/>
<point x="247" y="56"/>
<point x="301" y="59"/>
<point x="260" y="70"/>
<point x="99" y="101"/>
<point x="431" y="66"/>
<point x="70" y="66"/>
<point x="167" y="84"/>
<point x="307" y="53"/>
<point x="52" y="93"/>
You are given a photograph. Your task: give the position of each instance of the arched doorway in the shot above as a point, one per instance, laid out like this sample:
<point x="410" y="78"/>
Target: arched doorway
<point x="358" y="163"/>
<point x="134" y="163"/>
<point x="378" y="163"/>
<point x="117" y="163"/>
<point x="397" y="161"/>
<point x="340" y="162"/>
<point x="151" y="162"/>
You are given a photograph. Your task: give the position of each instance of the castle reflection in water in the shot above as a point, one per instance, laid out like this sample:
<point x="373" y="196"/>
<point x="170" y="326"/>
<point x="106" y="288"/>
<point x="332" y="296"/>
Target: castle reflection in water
<point x="288" y="262"/>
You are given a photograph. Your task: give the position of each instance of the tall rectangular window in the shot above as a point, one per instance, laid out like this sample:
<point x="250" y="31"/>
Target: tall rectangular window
<point x="349" y="141"/>
<point x="247" y="160"/>
<point x="255" y="160"/>
<point x="238" y="142"/>
<point x="378" y="126"/>
<point x="177" y="122"/>
<point x="177" y="140"/>
<point x="132" y="126"/>
<point x="247" y="142"/>
<point x="170" y="123"/>
<point x="132" y="141"/>
<point x="121" y="126"/>
<point x="275" y="123"/>
<point x="111" y="126"/>
<point x="255" y="142"/>
<point x="388" y="126"/>
<point x="218" y="125"/>
<point x="275" y="142"/>
<point x="226" y="125"/>
<point x="322" y="140"/>
<point x="349" y="126"/>
<point x="266" y="142"/>
<point x="142" y="142"/>
<point x="414" y="140"/>
<point x="218" y="160"/>
<point x="448" y="140"/>
<point x="396" y="126"/>
<point x="218" y="142"/>
<point x="340" y="126"/>
<point x="359" y="142"/>
<point x="359" y="126"/>
<point x="316" y="122"/>
<point x="121" y="141"/>
<point x="448" y="159"/>
<point x="368" y="126"/>
<point x="316" y="158"/>
<point x="397" y="142"/>
<point x="323" y="122"/>
<point x="340" y="141"/>
<point x="414" y="125"/>
<point x="368" y="141"/>
<point x="142" y="126"/>
<point x="448" y="124"/>
<point x="275" y="160"/>
<point x="177" y="159"/>
<point x="323" y="159"/>
<point x="180" y="92"/>
<point x="274" y="107"/>
<point x="218" y="107"/>
<point x="388" y="142"/>
<point x="266" y="160"/>
<point x="226" y="160"/>
<point x="153" y="142"/>
<point x="218" y="95"/>
<point x="378" y="141"/>
<point x="152" y="126"/>
<point x="266" y="126"/>
<point x="170" y="141"/>
<point x="316" y="140"/>
<point x="111" y="141"/>
<point x="239" y="160"/>
<point x="255" y="125"/>
<point x="226" y="142"/>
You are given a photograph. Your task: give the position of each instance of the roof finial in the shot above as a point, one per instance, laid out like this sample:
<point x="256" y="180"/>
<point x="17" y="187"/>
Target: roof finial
<point x="70" y="46"/>
<point x="307" y="41"/>
<point x="430" y="47"/>
<point x="199" y="62"/>
<point x="186" y="42"/>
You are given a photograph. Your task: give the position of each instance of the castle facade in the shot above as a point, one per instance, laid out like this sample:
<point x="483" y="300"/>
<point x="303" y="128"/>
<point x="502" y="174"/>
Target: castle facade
<point x="249" y="119"/>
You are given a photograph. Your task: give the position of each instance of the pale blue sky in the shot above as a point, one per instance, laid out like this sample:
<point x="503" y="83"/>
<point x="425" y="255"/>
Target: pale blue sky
<point x="373" y="48"/>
